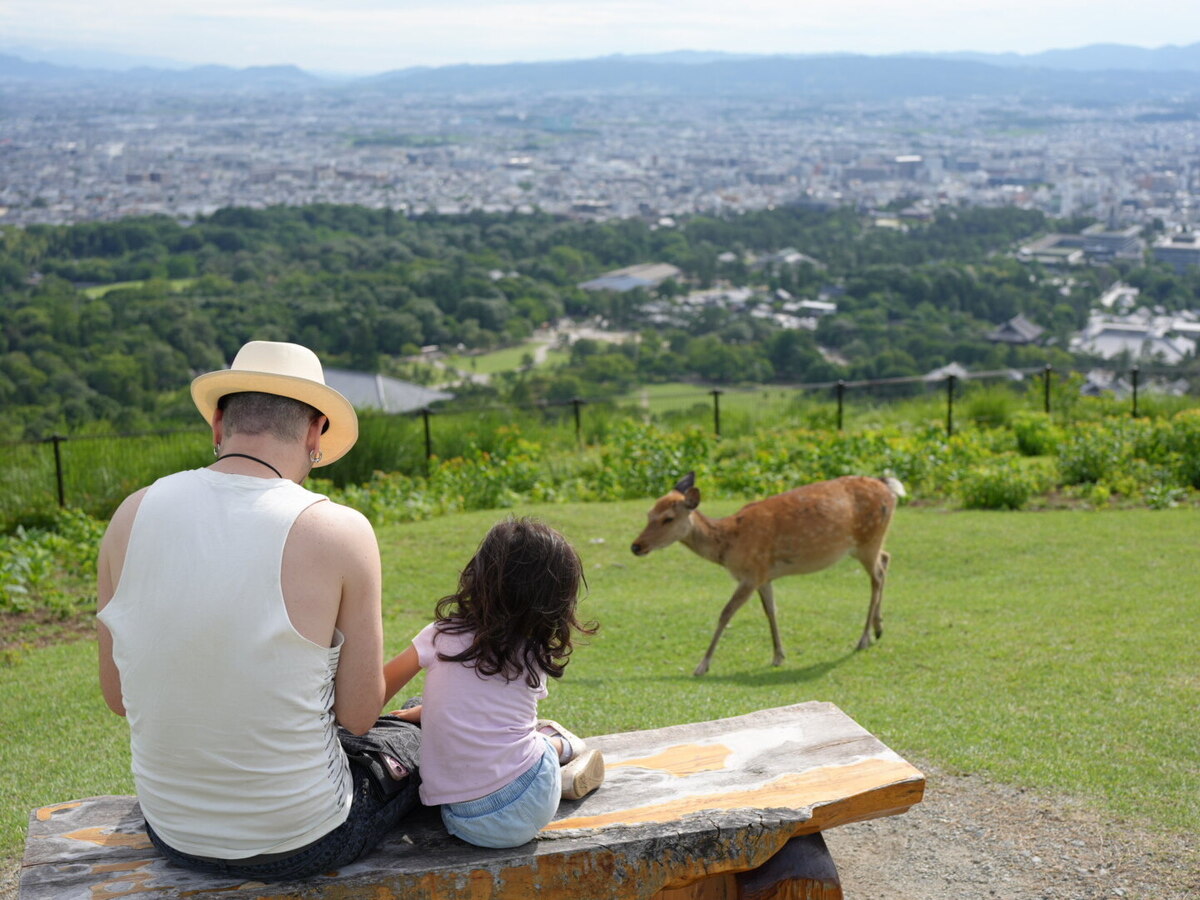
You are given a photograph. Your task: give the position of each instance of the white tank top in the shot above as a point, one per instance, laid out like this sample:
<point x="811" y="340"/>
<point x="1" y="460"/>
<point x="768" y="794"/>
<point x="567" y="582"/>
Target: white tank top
<point x="234" y="744"/>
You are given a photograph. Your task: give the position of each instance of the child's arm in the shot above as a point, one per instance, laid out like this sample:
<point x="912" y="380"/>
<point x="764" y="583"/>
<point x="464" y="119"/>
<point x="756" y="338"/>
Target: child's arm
<point x="399" y="671"/>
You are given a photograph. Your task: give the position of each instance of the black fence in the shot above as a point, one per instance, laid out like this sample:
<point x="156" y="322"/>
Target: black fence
<point x="95" y="471"/>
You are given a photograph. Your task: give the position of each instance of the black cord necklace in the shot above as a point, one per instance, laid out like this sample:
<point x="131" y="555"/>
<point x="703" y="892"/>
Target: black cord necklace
<point x="253" y="458"/>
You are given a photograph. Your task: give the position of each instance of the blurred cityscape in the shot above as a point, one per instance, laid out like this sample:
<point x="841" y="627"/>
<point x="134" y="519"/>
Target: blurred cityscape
<point x="70" y="154"/>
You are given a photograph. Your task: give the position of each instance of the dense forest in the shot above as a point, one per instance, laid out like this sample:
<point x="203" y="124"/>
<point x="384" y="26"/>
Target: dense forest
<point x="367" y="288"/>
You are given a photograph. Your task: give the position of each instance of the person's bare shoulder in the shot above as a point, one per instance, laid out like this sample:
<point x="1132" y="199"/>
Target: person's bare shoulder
<point x="331" y="530"/>
<point x="116" y="541"/>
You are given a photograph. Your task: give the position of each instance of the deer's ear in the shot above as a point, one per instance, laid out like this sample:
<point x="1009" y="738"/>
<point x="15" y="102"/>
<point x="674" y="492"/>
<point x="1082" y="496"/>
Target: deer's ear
<point x="686" y="482"/>
<point x="691" y="497"/>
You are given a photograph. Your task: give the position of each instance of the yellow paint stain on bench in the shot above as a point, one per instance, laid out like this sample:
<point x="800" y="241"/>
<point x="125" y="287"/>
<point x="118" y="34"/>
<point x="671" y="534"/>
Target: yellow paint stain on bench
<point x="46" y="812"/>
<point x="124" y="885"/>
<point x="129" y="866"/>
<point x="103" y="837"/>
<point x="822" y="785"/>
<point x="136" y="882"/>
<point x="683" y="759"/>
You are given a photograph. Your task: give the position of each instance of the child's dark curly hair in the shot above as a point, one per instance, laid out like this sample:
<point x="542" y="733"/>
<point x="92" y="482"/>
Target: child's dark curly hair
<point x="517" y="597"/>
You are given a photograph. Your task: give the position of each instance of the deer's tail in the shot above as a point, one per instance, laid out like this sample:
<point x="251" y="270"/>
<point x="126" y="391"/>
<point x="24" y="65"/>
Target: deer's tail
<point x="894" y="486"/>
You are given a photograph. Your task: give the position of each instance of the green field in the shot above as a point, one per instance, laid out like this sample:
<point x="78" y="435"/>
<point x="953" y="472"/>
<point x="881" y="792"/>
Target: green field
<point x="510" y="359"/>
<point x="1040" y="649"/>
<point x="175" y="284"/>
<point x="742" y="409"/>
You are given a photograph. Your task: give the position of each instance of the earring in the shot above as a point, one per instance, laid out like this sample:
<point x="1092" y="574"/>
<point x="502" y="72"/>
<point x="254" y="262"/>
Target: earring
<point x="315" y="456"/>
<point x="216" y="450"/>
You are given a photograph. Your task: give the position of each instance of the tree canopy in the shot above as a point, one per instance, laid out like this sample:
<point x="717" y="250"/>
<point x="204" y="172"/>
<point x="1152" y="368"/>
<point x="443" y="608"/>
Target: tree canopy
<point x="103" y="324"/>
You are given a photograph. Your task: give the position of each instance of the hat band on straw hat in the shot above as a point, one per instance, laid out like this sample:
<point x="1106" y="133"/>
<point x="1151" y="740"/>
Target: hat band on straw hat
<point x="286" y="370"/>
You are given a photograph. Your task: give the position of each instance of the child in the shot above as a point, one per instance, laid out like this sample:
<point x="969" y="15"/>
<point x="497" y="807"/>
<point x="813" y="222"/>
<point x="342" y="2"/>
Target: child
<point x="498" y="771"/>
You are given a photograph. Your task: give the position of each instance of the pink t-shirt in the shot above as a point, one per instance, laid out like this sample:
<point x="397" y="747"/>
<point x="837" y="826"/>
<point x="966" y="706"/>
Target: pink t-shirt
<point x="477" y="733"/>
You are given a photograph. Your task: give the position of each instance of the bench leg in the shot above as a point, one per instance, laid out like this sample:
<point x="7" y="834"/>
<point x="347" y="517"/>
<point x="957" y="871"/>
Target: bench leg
<point x="801" y="870"/>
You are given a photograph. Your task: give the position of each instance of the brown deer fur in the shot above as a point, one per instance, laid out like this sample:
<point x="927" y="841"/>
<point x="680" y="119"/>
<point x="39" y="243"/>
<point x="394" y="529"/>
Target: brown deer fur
<point x="794" y="533"/>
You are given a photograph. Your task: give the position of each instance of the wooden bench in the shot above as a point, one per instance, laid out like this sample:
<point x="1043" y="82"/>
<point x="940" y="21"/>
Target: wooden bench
<point x="711" y="811"/>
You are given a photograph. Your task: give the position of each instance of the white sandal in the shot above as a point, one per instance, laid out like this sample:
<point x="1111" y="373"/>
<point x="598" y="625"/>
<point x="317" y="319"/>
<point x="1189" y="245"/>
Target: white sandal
<point x="584" y="770"/>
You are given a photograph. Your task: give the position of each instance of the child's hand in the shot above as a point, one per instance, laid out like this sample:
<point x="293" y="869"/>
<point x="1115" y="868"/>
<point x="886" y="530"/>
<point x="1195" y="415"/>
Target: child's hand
<point x="412" y="714"/>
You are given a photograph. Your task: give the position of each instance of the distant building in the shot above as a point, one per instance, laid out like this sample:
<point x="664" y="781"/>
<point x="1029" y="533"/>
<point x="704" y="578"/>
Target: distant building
<point x="909" y="166"/>
<point x="1180" y="251"/>
<point x="1103" y="244"/>
<point x="814" y="308"/>
<point x="1120" y="297"/>
<point x="1054" y="250"/>
<point x="647" y="275"/>
<point x="389" y="395"/>
<point x="1141" y="337"/>
<point x="1017" y="330"/>
<point x="789" y="256"/>
<point x="1096" y="243"/>
<point x="1099" y="382"/>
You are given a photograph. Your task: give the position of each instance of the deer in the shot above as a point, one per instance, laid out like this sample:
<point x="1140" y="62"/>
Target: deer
<point x="798" y="532"/>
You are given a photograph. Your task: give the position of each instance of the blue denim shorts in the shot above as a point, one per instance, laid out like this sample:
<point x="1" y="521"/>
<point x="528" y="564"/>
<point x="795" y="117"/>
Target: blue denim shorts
<point x="516" y="812"/>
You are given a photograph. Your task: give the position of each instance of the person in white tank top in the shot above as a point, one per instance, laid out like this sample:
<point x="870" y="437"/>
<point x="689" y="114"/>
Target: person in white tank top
<point x="240" y="633"/>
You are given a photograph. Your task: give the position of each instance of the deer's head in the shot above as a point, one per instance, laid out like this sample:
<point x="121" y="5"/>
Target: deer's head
<point x="669" y="520"/>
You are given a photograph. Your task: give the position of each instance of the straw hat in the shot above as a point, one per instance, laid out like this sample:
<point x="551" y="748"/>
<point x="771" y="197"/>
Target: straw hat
<point x="288" y="370"/>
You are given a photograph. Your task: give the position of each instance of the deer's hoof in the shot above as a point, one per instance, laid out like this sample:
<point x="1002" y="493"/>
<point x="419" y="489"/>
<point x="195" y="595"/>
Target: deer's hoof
<point x="863" y="643"/>
<point x="702" y="668"/>
<point x="778" y="660"/>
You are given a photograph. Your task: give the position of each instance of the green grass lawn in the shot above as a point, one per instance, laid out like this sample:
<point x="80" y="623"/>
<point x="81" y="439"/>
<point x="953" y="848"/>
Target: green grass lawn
<point x="1050" y="650"/>
<point x="507" y="360"/>
<point x="743" y="409"/>
<point x="175" y="284"/>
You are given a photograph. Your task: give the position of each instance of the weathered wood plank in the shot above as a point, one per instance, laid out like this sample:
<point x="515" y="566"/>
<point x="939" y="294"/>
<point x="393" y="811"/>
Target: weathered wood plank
<point x="680" y="805"/>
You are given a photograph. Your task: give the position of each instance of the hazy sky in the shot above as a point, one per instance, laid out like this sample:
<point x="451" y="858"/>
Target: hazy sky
<point x="360" y="36"/>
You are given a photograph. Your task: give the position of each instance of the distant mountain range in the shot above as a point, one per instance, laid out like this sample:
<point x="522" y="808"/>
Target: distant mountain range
<point x="1095" y="58"/>
<point x="14" y="68"/>
<point x="1098" y="73"/>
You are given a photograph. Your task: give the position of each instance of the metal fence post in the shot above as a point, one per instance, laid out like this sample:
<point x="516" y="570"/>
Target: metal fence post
<point x="426" y="412"/>
<point x="841" y="394"/>
<point x="951" y="380"/>
<point x="1133" y="377"/>
<point x="576" y="402"/>
<point x="716" y="395"/>
<point x="57" y="440"/>
<point x="1046" y="388"/>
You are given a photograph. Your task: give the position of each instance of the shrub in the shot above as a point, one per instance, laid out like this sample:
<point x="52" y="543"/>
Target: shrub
<point x="1036" y="434"/>
<point x="1090" y="453"/>
<point x="990" y="407"/>
<point x="1185" y="441"/>
<point x="1003" y="484"/>
<point x="644" y="461"/>
<point x="50" y="568"/>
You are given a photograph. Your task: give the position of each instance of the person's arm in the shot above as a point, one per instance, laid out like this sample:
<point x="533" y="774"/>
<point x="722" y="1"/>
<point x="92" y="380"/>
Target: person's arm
<point x="331" y="579"/>
<point x="359" y="686"/>
<point x="399" y="671"/>
<point x="409" y="714"/>
<point x="110" y="561"/>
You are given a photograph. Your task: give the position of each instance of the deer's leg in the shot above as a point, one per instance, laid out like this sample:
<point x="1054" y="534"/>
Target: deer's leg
<point x="877" y="569"/>
<point x="740" y="596"/>
<point x="884" y="559"/>
<point x="767" y="594"/>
